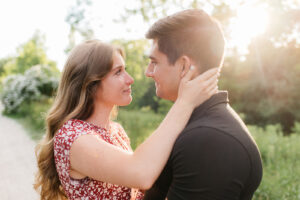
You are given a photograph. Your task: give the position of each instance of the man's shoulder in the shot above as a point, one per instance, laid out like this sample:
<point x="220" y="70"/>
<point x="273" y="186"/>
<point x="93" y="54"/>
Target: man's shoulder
<point x="209" y="133"/>
<point x="218" y="119"/>
<point x="198" y="134"/>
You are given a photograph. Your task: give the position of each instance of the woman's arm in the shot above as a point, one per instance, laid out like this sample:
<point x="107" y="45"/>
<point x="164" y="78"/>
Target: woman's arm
<point x="95" y="158"/>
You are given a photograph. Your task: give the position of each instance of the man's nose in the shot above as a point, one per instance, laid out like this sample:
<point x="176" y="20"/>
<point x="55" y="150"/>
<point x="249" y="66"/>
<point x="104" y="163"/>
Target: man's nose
<point x="149" y="71"/>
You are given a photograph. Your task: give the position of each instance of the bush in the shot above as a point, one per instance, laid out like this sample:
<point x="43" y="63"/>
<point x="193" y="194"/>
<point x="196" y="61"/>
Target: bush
<point x="296" y="128"/>
<point x="138" y="124"/>
<point x="36" y="82"/>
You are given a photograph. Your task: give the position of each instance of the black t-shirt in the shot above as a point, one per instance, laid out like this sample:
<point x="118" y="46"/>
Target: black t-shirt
<point x="214" y="158"/>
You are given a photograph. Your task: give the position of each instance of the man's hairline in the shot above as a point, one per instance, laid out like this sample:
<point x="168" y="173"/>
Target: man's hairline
<point x="155" y="40"/>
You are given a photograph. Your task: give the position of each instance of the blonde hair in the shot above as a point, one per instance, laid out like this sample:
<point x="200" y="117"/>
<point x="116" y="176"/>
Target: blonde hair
<point x="87" y="64"/>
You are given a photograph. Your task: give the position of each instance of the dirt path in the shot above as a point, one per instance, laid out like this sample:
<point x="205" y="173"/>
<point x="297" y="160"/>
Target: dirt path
<point x="17" y="161"/>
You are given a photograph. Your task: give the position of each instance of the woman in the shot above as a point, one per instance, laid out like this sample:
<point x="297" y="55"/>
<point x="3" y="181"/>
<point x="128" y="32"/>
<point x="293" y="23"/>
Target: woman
<point x="85" y="155"/>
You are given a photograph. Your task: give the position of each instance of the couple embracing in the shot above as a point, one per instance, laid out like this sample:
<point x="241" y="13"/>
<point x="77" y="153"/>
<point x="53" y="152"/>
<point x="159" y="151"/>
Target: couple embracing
<point x="201" y="150"/>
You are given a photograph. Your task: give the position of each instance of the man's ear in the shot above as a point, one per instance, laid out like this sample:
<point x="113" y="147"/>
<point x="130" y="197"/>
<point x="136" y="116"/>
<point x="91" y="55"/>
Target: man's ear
<point x="185" y="64"/>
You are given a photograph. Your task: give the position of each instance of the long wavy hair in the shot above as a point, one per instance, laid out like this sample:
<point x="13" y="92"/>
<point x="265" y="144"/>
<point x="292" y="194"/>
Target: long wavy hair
<point x="87" y="64"/>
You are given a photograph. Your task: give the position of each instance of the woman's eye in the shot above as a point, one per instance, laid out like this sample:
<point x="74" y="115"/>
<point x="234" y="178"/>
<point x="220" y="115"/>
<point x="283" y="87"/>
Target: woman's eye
<point x="118" y="72"/>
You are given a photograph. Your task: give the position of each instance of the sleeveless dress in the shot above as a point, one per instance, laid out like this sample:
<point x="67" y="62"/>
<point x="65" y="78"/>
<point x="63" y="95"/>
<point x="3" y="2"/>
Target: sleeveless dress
<point x="88" y="188"/>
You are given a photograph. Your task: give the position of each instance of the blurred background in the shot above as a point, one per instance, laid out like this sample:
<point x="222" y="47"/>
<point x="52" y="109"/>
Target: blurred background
<point x="261" y="70"/>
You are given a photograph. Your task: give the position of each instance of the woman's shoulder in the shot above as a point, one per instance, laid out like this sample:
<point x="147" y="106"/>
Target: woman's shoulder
<point x="116" y="125"/>
<point x="73" y="125"/>
<point x="71" y="130"/>
<point x="118" y="128"/>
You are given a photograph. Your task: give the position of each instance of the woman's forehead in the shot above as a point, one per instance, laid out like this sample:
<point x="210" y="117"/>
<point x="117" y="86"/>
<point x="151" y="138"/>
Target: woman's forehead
<point x="118" y="60"/>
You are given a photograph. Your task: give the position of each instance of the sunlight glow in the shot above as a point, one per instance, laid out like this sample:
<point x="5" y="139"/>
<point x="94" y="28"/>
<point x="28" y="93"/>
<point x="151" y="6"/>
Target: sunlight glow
<point x="249" y="22"/>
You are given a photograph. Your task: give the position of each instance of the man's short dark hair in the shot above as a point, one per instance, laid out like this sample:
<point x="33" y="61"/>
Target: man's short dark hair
<point x="190" y="32"/>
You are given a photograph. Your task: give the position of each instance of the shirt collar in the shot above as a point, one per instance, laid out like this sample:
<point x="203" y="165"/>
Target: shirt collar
<point x="220" y="97"/>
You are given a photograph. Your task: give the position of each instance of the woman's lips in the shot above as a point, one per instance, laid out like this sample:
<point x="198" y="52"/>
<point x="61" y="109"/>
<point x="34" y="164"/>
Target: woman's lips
<point x="128" y="90"/>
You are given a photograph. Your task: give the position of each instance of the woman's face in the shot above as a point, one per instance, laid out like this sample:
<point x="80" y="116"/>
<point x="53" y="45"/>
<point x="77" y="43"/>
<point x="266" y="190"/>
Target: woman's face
<point x="115" y="87"/>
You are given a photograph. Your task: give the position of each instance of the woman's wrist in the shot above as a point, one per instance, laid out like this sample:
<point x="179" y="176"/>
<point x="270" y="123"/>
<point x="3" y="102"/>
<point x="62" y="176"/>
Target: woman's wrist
<point x="184" y="104"/>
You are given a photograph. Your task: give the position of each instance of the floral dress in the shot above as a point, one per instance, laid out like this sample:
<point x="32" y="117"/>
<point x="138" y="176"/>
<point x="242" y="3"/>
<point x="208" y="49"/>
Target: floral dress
<point x="88" y="188"/>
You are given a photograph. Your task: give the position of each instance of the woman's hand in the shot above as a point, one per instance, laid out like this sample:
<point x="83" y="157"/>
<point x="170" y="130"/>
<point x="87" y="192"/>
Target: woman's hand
<point x="194" y="92"/>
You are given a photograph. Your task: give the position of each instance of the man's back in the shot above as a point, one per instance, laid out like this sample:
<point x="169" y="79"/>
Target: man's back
<point x="214" y="158"/>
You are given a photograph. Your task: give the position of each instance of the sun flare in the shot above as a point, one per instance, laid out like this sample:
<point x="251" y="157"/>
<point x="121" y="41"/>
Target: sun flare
<point x="249" y="22"/>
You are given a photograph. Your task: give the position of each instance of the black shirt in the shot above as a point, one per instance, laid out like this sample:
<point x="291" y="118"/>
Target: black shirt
<point x="214" y="158"/>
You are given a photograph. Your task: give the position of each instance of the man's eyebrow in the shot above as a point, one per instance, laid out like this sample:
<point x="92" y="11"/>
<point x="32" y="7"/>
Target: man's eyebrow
<point x="152" y="57"/>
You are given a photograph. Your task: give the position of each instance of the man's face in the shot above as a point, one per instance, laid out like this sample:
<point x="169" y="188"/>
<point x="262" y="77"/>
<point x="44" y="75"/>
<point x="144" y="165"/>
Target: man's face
<point x="165" y="75"/>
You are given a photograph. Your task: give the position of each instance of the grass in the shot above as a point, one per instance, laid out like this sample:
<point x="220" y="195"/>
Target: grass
<point x="281" y="163"/>
<point x="280" y="154"/>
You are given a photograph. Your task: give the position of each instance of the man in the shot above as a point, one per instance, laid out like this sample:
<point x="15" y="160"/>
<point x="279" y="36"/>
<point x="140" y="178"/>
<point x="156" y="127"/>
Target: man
<point x="215" y="156"/>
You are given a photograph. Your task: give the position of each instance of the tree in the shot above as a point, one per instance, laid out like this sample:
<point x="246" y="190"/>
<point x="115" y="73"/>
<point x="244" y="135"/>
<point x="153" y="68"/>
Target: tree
<point x="265" y="86"/>
<point x="29" y="54"/>
<point x="76" y="18"/>
<point x="273" y="84"/>
<point x="3" y="62"/>
<point x="284" y="14"/>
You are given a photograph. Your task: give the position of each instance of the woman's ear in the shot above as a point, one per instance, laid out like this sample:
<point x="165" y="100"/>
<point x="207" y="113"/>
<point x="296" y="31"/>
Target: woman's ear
<point x="185" y="65"/>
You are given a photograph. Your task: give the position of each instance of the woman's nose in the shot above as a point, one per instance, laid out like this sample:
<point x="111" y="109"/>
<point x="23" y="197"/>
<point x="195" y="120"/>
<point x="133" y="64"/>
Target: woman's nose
<point x="129" y="79"/>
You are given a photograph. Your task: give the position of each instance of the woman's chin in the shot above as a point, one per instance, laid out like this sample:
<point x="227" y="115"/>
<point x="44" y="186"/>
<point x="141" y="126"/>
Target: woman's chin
<point x="125" y="102"/>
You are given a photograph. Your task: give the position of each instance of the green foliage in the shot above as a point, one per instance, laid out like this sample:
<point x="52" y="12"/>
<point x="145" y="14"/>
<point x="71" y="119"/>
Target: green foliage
<point x="76" y="18"/>
<point x="281" y="164"/>
<point x="138" y="124"/>
<point x="296" y="128"/>
<point x="266" y="85"/>
<point x="149" y="99"/>
<point x="36" y="83"/>
<point x="29" y="54"/>
<point x="29" y="76"/>
<point x="164" y="106"/>
<point x="3" y="61"/>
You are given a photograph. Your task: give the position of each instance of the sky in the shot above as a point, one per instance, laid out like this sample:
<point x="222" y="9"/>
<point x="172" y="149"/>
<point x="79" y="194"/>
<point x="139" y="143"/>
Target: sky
<point x="19" y="21"/>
